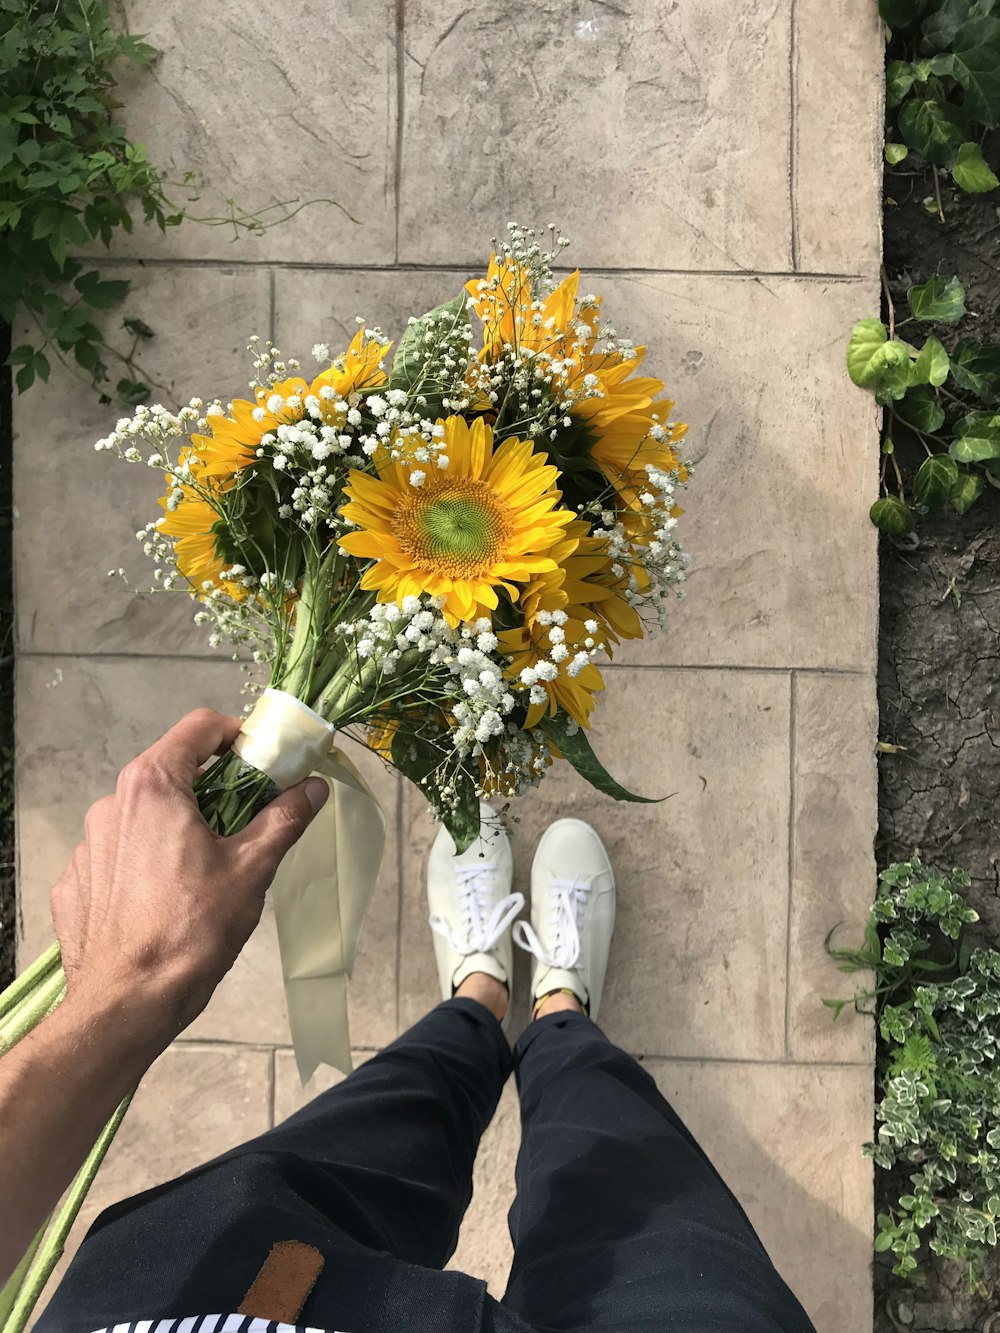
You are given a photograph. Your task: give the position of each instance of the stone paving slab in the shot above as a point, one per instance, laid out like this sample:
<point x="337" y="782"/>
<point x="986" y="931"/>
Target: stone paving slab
<point x="280" y="104"/>
<point x="702" y="876"/>
<point x="89" y="506"/>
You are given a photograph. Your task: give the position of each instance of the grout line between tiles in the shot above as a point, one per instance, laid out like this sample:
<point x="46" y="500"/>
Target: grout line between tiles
<point x="213" y="1043"/>
<point x="272" y="303"/>
<point x="792" y="134"/>
<point x="391" y="266"/>
<point x="400" y="107"/>
<point x="792" y="700"/>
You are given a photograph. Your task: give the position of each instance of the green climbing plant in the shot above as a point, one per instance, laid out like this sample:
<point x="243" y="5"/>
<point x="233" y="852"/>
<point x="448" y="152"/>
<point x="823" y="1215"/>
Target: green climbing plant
<point x="942" y="96"/>
<point x="71" y="178"/>
<point x="937" y="1068"/>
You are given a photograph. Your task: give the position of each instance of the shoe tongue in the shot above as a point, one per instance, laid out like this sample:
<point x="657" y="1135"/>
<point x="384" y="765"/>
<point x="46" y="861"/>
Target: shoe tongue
<point x="479" y="962"/>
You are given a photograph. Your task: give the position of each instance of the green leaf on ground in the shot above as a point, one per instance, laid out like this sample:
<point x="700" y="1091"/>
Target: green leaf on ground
<point x="971" y="171"/>
<point x="966" y="491"/>
<point x="933" y="129"/>
<point x="895" y="152"/>
<point x="891" y="516"/>
<point x="865" y="352"/>
<point x="934" y="480"/>
<point x="921" y="409"/>
<point x="941" y="299"/>
<point x="575" y="747"/>
<point x="899" y="79"/>
<point x="977" y="438"/>
<point x="976" y="366"/>
<point x="931" y="366"/>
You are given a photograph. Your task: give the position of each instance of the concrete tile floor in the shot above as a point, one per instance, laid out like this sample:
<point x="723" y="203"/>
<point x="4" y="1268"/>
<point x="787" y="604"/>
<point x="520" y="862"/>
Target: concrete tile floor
<point x="738" y="234"/>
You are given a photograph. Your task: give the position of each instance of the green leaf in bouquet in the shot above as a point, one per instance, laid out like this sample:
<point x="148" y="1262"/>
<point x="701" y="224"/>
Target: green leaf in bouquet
<point x="966" y="491"/>
<point x="921" y="409"/>
<point x="976" y="367"/>
<point x="891" y="516"/>
<point x="933" y="129"/>
<point x="419" y="757"/>
<point x="412" y="366"/>
<point x="941" y="299"/>
<point x="971" y="171"/>
<point x="934" y="480"/>
<point x="931" y="365"/>
<point x="575" y="747"/>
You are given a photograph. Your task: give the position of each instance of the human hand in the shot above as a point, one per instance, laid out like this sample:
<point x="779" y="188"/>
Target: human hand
<point x="154" y="907"/>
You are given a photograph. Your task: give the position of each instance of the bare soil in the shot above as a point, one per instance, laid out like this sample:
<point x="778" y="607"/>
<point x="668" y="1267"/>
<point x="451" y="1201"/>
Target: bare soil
<point x="939" y="664"/>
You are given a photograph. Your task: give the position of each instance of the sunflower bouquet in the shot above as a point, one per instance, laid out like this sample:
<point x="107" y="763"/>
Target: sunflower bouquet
<point x="431" y="554"/>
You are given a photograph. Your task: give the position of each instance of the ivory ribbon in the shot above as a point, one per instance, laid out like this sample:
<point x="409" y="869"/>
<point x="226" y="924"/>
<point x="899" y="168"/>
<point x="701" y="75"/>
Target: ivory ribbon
<point x="323" y="886"/>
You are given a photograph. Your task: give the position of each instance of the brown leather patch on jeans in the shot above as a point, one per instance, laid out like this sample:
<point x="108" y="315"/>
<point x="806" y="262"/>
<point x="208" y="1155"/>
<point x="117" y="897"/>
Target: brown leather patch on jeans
<point x="286" y="1278"/>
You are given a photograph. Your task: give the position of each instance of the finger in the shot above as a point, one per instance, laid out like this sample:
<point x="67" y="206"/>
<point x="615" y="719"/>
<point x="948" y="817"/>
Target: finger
<point x="193" y="740"/>
<point x="283" y="821"/>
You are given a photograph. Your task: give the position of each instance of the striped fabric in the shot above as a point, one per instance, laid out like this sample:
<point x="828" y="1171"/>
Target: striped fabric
<point x="211" y="1323"/>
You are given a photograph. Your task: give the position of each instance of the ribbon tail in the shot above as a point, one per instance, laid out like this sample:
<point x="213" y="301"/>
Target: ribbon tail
<point x="320" y="895"/>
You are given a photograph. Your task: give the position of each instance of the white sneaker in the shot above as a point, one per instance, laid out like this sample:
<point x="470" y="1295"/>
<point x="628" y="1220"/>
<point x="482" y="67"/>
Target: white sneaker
<point x="472" y="907"/>
<point x="572" y="913"/>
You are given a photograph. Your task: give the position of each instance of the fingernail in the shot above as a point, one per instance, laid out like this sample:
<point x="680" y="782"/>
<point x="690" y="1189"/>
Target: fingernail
<point x="317" y="792"/>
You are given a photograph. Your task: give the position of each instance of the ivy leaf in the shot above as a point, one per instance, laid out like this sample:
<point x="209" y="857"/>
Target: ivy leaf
<point x="865" y="352"/>
<point x="971" y="171"/>
<point x="932" y="364"/>
<point x="132" y="391"/>
<point x="576" y="749"/>
<point x="895" y="152"/>
<point x="966" y="491"/>
<point x="900" y="76"/>
<point x="101" y="295"/>
<point x="932" y="128"/>
<point x="940" y="299"/>
<point x="902" y="13"/>
<point x="948" y="17"/>
<point x="891" y="516"/>
<point x="977" y="367"/>
<point x="921" y="409"/>
<point x="934" y="480"/>
<point x="975" y="63"/>
<point x="977" y="438"/>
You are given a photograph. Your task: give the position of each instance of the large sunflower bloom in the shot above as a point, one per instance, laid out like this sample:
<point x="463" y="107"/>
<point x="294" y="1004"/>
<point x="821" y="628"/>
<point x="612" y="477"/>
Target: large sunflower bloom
<point x="488" y="520"/>
<point x="621" y="412"/>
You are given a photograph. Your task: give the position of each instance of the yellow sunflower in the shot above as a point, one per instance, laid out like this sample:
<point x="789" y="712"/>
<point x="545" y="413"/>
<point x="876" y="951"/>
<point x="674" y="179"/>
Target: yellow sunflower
<point x="190" y="525"/>
<point x="489" y="519"/>
<point x="622" y="417"/>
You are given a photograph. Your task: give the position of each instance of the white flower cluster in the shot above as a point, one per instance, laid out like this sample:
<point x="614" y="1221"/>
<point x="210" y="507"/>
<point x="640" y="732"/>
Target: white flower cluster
<point x="461" y="665"/>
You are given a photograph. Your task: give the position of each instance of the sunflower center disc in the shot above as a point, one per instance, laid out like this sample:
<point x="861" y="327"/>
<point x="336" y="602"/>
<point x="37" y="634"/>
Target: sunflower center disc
<point x="457" y="528"/>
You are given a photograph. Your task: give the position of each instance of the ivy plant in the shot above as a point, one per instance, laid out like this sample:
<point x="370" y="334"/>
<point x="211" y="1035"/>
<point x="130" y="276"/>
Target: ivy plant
<point x="942" y="94"/>
<point x="942" y="86"/>
<point x="937" y="1067"/>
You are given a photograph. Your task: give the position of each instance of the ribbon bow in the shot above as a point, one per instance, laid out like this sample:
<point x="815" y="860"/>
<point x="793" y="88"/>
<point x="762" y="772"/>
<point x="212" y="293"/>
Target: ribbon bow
<point x="324" y="884"/>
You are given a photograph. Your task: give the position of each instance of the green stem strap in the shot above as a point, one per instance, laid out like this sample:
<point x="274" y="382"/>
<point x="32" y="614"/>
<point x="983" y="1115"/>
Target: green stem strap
<point x="33" y="1006"/>
<point x="49" y="1253"/>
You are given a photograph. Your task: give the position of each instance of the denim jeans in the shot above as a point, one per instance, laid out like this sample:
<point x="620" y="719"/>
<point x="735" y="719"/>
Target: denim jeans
<point x="620" y="1221"/>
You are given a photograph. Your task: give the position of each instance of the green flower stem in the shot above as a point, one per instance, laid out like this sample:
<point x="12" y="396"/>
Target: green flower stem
<point x="31" y="1009"/>
<point x="12" y="1287"/>
<point x="50" y="1251"/>
<point x="26" y="982"/>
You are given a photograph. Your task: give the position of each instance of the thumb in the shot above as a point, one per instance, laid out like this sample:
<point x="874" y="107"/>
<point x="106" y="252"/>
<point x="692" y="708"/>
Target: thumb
<point x="283" y="821"/>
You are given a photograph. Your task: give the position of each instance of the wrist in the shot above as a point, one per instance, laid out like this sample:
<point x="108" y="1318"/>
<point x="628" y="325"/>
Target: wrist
<point x="113" y="1027"/>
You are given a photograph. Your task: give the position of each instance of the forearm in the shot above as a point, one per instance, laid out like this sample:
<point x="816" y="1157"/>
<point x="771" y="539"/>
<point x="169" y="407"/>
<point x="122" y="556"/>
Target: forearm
<point x="58" y="1088"/>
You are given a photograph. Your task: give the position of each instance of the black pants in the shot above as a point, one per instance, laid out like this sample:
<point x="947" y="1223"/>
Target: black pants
<point x="620" y="1222"/>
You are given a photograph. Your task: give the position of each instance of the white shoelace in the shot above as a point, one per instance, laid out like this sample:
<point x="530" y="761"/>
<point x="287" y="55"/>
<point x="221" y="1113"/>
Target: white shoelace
<point x="567" y="899"/>
<point x="481" y="922"/>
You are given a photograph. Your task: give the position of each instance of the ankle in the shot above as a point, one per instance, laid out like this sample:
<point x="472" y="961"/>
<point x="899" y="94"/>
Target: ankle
<point x="487" y="991"/>
<point x="559" y="1001"/>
